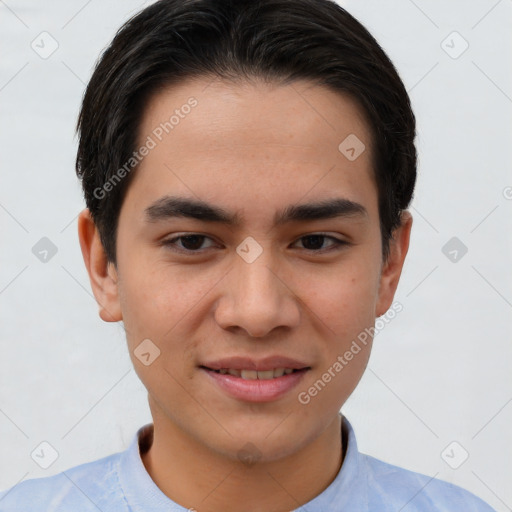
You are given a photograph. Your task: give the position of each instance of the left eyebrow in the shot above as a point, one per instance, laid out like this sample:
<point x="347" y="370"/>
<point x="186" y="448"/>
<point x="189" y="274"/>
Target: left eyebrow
<point x="173" y="206"/>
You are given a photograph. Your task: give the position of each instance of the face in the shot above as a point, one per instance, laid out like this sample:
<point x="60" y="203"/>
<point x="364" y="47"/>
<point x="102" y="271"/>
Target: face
<point x="255" y="275"/>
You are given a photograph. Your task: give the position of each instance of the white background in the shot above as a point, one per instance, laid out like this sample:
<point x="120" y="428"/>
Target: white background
<point x="439" y="372"/>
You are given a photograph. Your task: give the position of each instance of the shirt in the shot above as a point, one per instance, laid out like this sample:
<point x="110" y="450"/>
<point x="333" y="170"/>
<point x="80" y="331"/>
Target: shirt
<point x="120" y="483"/>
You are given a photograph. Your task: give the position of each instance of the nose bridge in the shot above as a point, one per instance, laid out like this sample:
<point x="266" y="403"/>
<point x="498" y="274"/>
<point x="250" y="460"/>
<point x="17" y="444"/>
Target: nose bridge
<point x="258" y="299"/>
<point x="257" y="281"/>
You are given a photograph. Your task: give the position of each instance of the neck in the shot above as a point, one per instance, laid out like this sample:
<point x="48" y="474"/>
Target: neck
<point x="194" y="476"/>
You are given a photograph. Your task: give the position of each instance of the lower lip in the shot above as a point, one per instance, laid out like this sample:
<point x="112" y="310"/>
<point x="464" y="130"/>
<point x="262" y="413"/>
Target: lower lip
<point x="264" y="390"/>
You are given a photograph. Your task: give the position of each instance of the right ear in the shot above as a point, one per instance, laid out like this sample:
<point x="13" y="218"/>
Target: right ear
<point x="102" y="274"/>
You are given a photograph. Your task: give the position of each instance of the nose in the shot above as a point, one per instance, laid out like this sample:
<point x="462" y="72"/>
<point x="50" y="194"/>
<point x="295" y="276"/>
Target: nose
<point x="257" y="299"/>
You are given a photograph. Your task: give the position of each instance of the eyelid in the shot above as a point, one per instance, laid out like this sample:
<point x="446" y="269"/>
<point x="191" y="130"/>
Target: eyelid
<point x="177" y="236"/>
<point x="337" y="243"/>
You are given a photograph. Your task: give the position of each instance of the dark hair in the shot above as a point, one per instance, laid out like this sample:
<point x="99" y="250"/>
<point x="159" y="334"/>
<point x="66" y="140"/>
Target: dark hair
<point x="279" y="40"/>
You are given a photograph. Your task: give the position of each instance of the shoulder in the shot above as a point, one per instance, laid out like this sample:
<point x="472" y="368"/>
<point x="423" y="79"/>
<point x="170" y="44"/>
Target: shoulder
<point x="87" y="487"/>
<point x="414" y="491"/>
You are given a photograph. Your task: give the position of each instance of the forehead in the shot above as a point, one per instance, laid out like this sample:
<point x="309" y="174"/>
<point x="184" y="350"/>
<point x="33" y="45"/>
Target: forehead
<point x="231" y="112"/>
<point x="226" y="141"/>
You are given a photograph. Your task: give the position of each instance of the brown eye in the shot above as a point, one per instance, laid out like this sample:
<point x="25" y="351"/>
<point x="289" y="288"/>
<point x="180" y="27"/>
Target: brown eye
<point x="189" y="243"/>
<point x="315" y="242"/>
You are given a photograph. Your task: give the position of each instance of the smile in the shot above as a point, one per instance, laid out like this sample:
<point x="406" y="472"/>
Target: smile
<point x="253" y="374"/>
<point x="253" y="385"/>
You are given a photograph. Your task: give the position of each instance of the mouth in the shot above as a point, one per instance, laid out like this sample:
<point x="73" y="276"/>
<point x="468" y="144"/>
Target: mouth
<point x="253" y="385"/>
<point x="256" y="375"/>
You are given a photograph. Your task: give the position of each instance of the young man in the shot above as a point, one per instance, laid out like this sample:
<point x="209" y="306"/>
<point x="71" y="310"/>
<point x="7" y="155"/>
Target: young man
<point x="220" y="143"/>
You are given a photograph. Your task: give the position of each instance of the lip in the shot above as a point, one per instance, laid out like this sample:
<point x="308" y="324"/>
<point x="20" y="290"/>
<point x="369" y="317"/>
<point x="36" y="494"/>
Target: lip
<point x="246" y="363"/>
<point x="255" y="390"/>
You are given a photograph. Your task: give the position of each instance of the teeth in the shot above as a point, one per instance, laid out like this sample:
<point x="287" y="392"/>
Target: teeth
<point x="267" y="374"/>
<point x="253" y="374"/>
<point x="249" y="374"/>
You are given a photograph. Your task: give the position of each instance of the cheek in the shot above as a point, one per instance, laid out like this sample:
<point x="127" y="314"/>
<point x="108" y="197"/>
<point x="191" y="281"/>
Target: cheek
<point x="156" y="295"/>
<point x="165" y="305"/>
<point x="345" y="299"/>
<point x="346" y="306"/>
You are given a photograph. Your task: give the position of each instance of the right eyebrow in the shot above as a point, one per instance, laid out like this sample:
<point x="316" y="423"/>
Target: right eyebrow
<point x="173" y="206"/>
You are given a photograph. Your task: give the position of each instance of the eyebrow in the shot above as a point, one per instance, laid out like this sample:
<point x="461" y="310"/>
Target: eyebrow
<point x="168" y="207"/>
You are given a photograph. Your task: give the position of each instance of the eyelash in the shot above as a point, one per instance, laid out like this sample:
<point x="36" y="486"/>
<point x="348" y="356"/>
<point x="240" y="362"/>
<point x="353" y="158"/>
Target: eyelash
<point x="171" y="243"/>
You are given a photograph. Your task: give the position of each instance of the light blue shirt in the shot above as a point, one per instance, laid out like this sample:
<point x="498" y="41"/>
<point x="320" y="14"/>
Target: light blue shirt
<point x="120" y="483"/>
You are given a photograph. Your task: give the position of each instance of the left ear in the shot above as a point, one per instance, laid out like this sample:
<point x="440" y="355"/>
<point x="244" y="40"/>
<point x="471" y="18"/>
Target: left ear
<point x="392" y="268"/>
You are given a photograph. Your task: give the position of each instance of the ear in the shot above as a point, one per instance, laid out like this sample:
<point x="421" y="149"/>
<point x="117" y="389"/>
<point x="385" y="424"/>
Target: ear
<point x="392" y="268"/>
<point x="102" y="274"/>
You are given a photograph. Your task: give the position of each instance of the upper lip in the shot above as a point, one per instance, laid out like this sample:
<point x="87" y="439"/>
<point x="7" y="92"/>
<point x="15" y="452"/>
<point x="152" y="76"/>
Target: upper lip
<point x="246" y="363"/>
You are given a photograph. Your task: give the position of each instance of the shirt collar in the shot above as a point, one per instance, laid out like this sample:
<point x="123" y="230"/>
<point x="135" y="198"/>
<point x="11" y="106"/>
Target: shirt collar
<point x="139" y="489"/>
<point x="348" y="490"/>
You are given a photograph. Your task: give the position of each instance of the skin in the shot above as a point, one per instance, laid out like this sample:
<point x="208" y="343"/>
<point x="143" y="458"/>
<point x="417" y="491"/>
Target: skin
<point x="250" y="148"/>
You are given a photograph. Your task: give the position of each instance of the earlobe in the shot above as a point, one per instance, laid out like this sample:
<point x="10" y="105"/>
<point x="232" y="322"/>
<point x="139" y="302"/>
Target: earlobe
<point x="392" y="268"/>
<point x="102" y="274"/>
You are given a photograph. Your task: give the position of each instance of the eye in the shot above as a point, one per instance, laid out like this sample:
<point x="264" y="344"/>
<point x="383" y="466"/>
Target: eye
<point x="315" y="241"/>
<point x="193" y="242"/>
<point x="189" y="243"/>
